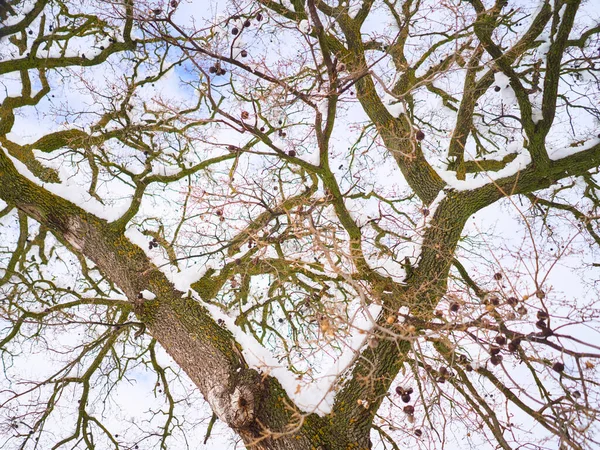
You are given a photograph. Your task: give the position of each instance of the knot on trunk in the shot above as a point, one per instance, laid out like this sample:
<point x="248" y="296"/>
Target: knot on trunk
<point x="237" y="408"/>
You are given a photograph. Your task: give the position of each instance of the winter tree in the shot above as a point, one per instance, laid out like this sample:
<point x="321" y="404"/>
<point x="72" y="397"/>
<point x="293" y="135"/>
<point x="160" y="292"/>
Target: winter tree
<point x="316" y="224"/>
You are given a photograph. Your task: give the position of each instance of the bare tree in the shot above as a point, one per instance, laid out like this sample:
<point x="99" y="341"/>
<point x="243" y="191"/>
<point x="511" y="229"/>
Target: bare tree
<point x="264" y="189"/>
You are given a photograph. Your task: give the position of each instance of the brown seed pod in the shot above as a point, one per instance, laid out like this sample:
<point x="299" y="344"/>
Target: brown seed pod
<point x="514" y="345"/>
<point x="512" y="301"/>
<point x="496" y="359"/>
<point x="522" y="310"/>
<point x="558" y="367"/>
<point x="454" y="307"/>
<point x="235" y="31"/>
<point x="292" y="153"/>
<point x="497" y="88"/>
<point x="542" y="315"/>
<point x="469" y="368"/>
<point x="418" y="433"/>
<point x="399" y="390"/>
<point x="497" y="276"/>
<point x="541" y="324"/>
<point x="245" y="114"/>
<point x="494" y="351"/>
<point x="247" y="23"/>
<point x="420" y="135"/>
<point x="405" y="398"/>
<point x="500" y="340"/>
<point x="409" y="409"/>
<point x="243" y="53"/>
<point x="259" y="17"/>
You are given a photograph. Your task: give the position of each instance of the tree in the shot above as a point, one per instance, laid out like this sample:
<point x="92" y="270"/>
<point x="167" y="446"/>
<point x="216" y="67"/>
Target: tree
<point x="271" y="187"/>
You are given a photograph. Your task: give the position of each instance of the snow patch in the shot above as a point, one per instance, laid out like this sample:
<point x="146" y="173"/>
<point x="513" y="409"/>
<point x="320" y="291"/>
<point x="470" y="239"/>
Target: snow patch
<point x="394" y="106"/>
<point x="563" y="152"/>
<point x="317" y="396"/>
<point x="516" y="165"/>
<point x="148" y="295"/>
<point x="73" y="193"/>
<point x="304" y="26"/>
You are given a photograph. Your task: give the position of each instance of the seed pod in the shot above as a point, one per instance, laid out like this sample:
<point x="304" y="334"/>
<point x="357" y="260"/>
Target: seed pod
<point x="541" y="314"/>
<point x="514" y="345"/>
<point x="558" y="367"/>
<point x="247" y="23"/>
<point x="496" y="359"/>
<point x="541" y="324"/>
<point x="409" y="409"/>
<point x="576" y="394"/>
<point x="443" y="370"/>
<point x="409" y="391"/>
<point x="405" y="398"/>
<point x="497" y="88"/>
<point x="235" y="31"/>
<point x="454" y="307"/>
<point x="420" y="135"/>
<point x="500" y="340"/>
<point x="259" y="17"/>
<point x="494" y="351"/>
<point x="244" y="53"/>
<point x="399" y="390"/>
<point x="497" y="276"/>
<point x="292" y="153"/>
<point x="418" y="433"/>
<point x="522" y="310"/>
<point x="469" y="368"/>
<point x="245" y="114"/>
<point x="512" y="301"/>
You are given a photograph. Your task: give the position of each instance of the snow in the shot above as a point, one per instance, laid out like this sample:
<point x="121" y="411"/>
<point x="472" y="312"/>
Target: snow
<point x="74" y="193"/>
<point x="304" y="26"/>
<point x="181" y="279"/>
<point x="394" y="106"/>
<point x="516" y="165"/>
<point x="148" y="295"/>
<point x="507" y="92"/>
<point x="313" y="157"/>
<point x="563" y="152"/>
<point x="536" y="107"/>
<point x="314" y="397"/>
<point x="26" y="7"/>
<point x="354" y="8"/>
